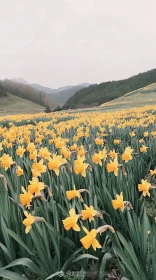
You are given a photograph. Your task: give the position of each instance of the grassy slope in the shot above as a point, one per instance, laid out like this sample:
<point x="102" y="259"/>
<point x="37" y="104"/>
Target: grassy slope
<point x="107" y="91"/>
<point x="141" y="97"/>
<point x="16" y="105"/>
<point x="138" y="98"/>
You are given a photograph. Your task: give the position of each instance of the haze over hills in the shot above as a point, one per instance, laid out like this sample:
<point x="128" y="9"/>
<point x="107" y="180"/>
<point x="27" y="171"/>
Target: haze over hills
<point x="49" y="90"/>
<point x="104" y="92"/>
<point x="62" y="94"/>
<point x="79" y="96"/>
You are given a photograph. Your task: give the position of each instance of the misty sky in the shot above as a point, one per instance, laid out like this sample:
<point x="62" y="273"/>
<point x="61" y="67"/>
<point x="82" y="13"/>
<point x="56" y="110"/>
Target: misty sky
<point x="65" y="42"/>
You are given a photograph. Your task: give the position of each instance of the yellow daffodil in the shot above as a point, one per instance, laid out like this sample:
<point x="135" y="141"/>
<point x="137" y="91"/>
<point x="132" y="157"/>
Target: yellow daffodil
<point x="25" y="198"/>
<point x="146" y="133"/>
<point x="31" y="147"/>
<point x="112" y="166"/>
<point x="71" y="221"/>
<point x="38" y="168"/>
<point x="127" y="155"/>
<point x="89" y="213"/>
<point x="90" y="239"/>
<point x="55" y="162"/>
<point x="19" y="171"/>
<point x="35" y="186"/>
<point x="144" y="187"/>
<point x="118" y="203"/>
<point x="143" y="149"/>
<point x="132" y="134"/>
<point x="28" y="221"/>
<point x="73" y="193"/>
<point x="44" y="153"/>
<point x="80" y="166"/>
<point x="112" y="154"/>
<point x="99" y="141"/>
<point x="20" y="151"/>
<point x="6" y="161"/>
<point x="153" y="172"/>
<point x="116" y="141"/>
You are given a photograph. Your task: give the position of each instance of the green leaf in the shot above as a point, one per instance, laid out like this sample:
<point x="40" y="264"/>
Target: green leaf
<point x="88" y="256"/>
<point x="105" y="258"/>
<point x="70" y="260"/>
<point x="24" y="262"/>
<point x="52" y="275"/>
<point x="19" y="240"/>
<point x="9" y="275"/>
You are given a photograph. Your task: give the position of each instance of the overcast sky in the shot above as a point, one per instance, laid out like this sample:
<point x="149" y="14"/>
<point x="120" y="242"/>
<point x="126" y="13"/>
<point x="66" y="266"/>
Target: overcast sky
<point x="65" y="42"/>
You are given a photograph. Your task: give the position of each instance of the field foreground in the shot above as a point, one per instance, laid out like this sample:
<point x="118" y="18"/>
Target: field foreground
<point x="77" y="195"/>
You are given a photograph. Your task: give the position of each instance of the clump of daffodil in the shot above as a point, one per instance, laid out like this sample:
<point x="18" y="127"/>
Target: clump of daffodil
<point x="80" y="166"/>
<point x="71" y="221"/>
<point x="144" y="187"/>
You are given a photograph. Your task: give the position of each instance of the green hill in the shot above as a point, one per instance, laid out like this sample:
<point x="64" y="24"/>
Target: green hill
<point x="25" y="91"/>
<point x="49" y="90"/>
<point x="2" y="91"/>
<point x="104" y="92"/>
<point x="11" y="104"/>
<point x="61" y="95"/>
<point x="138" y="98"/>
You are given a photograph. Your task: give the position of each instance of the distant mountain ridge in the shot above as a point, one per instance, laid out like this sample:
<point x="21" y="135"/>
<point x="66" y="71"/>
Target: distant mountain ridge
<point x="48" y="89"/>
<point x="60" y="95"/>
<point x="107" y="91"/>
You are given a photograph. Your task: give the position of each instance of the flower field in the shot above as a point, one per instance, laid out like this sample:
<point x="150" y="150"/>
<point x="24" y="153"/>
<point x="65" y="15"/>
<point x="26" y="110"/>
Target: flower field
<point x="77" y="195"/>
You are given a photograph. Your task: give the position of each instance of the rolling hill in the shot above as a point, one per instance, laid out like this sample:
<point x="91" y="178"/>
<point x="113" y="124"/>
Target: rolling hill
<point x="60" y="95"/>
<point x="2" y="91"/>
<point x="104" y="92"/>
<point x="137" y="98"/>
<point x="49" y="90"/>
<point x="11" y="104"/>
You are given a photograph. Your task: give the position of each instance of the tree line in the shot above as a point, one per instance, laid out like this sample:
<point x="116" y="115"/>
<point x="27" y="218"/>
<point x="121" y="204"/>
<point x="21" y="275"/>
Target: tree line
<point x="104" y="92"/>
<point x="27" y="92"/>
<point x="2" y="91"/>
